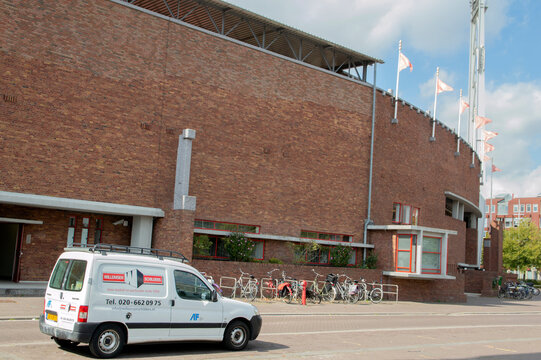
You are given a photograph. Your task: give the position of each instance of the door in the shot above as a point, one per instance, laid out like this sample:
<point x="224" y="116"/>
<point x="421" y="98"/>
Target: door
<point x="194" y="316"/>
<point x="63" y="296"/>
<point x="9" y="243"/>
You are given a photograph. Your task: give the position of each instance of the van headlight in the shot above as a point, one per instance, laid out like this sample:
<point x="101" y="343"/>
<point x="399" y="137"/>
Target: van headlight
<point x="256" y="310"/>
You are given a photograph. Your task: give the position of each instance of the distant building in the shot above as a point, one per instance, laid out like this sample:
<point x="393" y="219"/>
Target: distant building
<point x="512" y="210"/>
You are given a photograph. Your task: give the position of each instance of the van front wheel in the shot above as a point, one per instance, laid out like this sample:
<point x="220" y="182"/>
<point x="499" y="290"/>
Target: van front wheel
<point x="236" y="336"/>
<point x="107" y="341"/>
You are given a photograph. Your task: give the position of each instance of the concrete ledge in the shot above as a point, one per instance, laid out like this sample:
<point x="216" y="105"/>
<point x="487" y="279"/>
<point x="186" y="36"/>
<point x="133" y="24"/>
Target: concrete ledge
<point x="58" y="203"/>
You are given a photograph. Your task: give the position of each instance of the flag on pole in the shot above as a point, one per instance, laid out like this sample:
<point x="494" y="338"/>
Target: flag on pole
<point x="485" y="158"/>
<point x="403" y="63"/>
<point x="463" y="105"/>
<point x="488" y="147"/>
<point x="441" y="87"/>
<point x="489" y="134"/>
<point x="494" y="168"/>
<point x="481" y="121"/>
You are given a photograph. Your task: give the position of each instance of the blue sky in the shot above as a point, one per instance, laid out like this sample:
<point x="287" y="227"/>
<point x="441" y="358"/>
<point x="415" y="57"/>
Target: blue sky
<point x="436" y="33"/>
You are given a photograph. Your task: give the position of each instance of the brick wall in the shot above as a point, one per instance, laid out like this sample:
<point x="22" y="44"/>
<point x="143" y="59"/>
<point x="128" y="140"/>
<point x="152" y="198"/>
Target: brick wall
<point x="103" y="91"/>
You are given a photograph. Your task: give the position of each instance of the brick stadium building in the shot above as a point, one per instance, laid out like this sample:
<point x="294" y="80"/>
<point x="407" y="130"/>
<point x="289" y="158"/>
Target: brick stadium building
<point x="150" y="123"/>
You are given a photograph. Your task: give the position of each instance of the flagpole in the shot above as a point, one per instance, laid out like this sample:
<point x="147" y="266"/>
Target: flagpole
<point x="433" y="137"/>
<point x="395" y="119"/>
<point x="491" y="196"/>
<point x="458" y="130"/>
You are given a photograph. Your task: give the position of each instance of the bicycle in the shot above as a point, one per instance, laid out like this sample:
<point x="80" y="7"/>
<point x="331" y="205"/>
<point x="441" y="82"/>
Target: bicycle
<point x="374" y="296"/>
<point x="248" y="290"/>
<point x="269" y="288"/>
<point x="322" y="293"/>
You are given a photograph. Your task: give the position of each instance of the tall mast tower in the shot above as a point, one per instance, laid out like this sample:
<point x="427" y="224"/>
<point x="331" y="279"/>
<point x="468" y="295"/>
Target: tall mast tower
<point x="476" y="95"/>
<point x="476" y="83"/>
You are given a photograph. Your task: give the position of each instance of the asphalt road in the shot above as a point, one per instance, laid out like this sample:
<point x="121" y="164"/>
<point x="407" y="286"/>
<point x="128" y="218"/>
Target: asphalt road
<point x="508" y="330"/>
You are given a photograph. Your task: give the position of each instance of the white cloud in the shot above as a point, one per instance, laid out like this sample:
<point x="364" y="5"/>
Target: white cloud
<point x="374" y="27"/>
<point x="528" y="185"/>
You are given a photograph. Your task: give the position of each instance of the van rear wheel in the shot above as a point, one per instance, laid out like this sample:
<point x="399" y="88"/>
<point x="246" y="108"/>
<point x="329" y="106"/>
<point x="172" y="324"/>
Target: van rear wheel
<point x="107" y="341"/>
<point x="236" y="335"/>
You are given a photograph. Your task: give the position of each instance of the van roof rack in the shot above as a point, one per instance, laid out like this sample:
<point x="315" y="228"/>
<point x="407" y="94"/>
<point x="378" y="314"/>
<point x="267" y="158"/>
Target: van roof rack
<point x="124" y="249"/>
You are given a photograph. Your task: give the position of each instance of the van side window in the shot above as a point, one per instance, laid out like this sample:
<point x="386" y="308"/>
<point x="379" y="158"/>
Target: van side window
<point x="68" y="275"/>
<point x="190" y="287"/>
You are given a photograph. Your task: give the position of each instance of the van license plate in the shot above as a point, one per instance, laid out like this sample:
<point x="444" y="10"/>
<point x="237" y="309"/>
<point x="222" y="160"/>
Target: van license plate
<point x="52" y="317"/>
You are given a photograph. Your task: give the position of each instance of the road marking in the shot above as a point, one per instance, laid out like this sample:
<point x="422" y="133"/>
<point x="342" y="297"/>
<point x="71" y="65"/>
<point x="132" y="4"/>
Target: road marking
<point x="27" y="344"/>
<point x="401" y="329"/>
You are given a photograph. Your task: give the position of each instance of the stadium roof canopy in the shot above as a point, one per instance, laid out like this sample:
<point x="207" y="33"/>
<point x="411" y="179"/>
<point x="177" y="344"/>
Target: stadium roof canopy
<point x="242" y="25"/>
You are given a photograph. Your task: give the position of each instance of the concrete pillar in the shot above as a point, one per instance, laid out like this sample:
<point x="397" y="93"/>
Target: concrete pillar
<point x="141" y="231"/>
<point x="182" y="201"/>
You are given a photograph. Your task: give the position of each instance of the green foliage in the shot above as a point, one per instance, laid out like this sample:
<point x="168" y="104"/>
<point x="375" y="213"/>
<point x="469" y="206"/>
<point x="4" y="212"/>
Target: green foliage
<point x="301" y="250"/>
<point x="239" y="247"/>
<point x="340" y="255"/>
<point x="275" y="261"/>
<point x="522" y="246"/>
<point x="201" y="245"/>
<point x="371" y="261"/>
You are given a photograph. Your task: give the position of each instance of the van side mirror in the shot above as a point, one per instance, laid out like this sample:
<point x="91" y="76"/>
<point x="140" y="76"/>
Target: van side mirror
<point x="213" y="296"/>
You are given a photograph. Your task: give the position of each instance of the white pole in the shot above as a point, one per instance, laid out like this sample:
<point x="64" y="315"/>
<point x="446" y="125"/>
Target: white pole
<point x="491" y="196"/>
<point x="433" y="138"/>
<point x="395" y="119"/>
<point x="459" y="116"/>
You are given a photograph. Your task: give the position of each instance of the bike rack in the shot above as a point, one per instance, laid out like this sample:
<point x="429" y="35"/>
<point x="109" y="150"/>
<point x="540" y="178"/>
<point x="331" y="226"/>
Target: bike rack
<point x="263" y="287"/>
<point x="232" y="288"/>
<point x="390" y="289"/>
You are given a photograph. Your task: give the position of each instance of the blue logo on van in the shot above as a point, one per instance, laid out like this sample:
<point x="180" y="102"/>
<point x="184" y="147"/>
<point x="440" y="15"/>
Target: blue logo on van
<point x="49" y="303"/>
<point x="194" y="317"/>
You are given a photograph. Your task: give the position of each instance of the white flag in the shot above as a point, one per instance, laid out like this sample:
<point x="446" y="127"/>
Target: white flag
<point x="403" y="63"/>
<point x="441" y="87"/>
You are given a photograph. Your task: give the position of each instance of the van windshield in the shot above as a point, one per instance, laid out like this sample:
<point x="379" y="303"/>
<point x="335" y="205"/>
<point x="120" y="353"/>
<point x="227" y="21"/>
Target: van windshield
<point x="68" y="275"/>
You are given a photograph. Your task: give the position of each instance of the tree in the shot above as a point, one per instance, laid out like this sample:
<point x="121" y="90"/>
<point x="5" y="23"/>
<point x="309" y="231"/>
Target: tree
<point x="522" y="246"/>
<point x="239" y="247"/>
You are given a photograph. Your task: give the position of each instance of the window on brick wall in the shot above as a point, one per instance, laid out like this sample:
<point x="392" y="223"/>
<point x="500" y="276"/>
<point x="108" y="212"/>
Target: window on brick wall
<point x="528" y="207"/>
<point x="98" y="231"/>
<point x="226" y="226"/>
<point x="325" y="236"/>
<point x="431" y="258"/>
<point x="322" y="256"/>
<point x="217" y="248"/>
<point x="72" y="226"/>
<point x="535" y="208"/>
<point x="409" y="250"/>
<point x="405" y="214"/>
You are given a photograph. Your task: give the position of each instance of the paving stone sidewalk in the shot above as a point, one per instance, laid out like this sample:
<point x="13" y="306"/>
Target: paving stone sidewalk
<point x="32" y="307"/>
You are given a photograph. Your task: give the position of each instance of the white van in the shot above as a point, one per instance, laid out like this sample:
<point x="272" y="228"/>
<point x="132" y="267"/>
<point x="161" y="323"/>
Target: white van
<point x="112" y="295"/>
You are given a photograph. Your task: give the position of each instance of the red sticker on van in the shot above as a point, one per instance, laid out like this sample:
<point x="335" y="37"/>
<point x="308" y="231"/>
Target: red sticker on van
<point x="149" y="279"/>
<point x="114" y="277"/>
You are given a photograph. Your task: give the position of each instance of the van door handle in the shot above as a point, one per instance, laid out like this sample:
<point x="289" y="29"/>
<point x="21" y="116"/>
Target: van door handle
<point x="172" y="302"/>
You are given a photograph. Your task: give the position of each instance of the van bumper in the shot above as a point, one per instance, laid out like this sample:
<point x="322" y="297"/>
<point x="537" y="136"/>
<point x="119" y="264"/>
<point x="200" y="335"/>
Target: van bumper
<point x="82" y="332"/>
<point x="255" y="324"/>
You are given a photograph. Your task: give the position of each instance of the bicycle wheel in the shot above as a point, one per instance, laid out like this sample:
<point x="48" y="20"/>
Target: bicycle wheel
<point x="376" y="295"/>
<point x="312" y="297"/>
<point x="501" y="293"/>
<point x="268" y="293"/>
<point x="353" y="298"/>
<point x="251" y="291"/>
<point x="288" y="296"/>
<point x="328" y="293"/>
